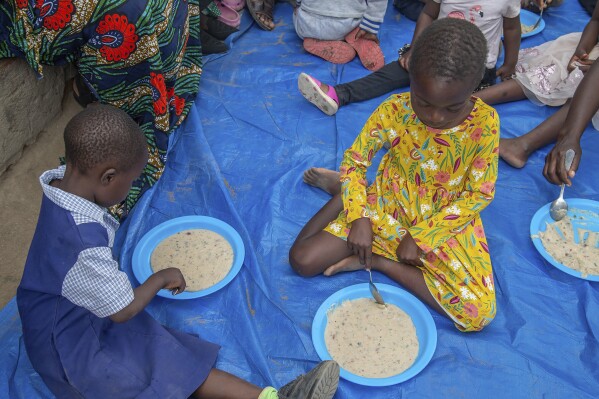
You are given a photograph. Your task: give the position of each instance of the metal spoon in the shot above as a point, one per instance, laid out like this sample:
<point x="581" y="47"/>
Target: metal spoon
<point x="559" y="207"/>
<point x="374" y="291"/>
<point x="540" y="17"/>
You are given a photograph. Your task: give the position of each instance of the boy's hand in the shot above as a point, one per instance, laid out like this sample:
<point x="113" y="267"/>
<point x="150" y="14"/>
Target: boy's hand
<point x="506" y="72"/>
<point x="173" y="280"/>
<point x="363" y="34"/>
<point x="408" y="251"/>
<point x="581" y="61"/>
<point x="359" y="240"/>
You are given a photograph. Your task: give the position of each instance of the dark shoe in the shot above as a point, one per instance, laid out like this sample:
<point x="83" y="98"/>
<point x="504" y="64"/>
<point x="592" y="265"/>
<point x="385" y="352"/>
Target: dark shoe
<point x="210" y="44"/>
<point x="218" y="29"/>
<point x="261" y="10"/>
<point x="319" y="383"/>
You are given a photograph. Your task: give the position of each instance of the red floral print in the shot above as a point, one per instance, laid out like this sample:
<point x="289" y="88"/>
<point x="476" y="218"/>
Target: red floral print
<point x="487" y="187"/>
<point x="54" y="13"/>
<point x="471" y="309"/>
<point x="479" y="231"/>
<point x="178" y="102"/>
<point x="159" y="93"/>
<point x="479" y="163"/>
<point x="476" y="134"/>
<point x="117" y="37"/>
<point x="442" y="176"/>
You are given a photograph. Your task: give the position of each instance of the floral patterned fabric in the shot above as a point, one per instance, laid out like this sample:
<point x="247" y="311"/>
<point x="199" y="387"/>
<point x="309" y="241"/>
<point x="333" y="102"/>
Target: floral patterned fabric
<point x="432" y="183"/>
<point x="143" y="56"/>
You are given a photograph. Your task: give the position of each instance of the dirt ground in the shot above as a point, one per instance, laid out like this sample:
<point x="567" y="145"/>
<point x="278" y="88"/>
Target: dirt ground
<point x="20" y="196"/>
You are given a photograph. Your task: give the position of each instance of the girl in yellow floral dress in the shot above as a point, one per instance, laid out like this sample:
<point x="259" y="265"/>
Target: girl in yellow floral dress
<point x="419" y="221"/>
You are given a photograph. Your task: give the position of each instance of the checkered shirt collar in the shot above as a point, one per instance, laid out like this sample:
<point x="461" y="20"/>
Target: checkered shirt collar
<point x="72" y="202"/>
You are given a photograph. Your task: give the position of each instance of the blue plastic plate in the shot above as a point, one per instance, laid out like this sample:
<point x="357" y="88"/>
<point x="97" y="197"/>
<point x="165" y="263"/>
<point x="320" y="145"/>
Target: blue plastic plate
<point x="143" y="251"/>
<point x="530" y="18"/>
<point x="422" y="319"/>
<point x="576" y="207"/>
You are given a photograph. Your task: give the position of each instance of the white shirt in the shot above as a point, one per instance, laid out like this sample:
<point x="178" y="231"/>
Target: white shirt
<point x="487" y="15"/>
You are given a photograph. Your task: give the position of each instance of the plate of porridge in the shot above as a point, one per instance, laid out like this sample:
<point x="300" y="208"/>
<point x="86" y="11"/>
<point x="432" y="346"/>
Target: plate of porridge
<point x="572" y="244"/>
<point x="375" y="345"/>
<point x="208" y="251"/>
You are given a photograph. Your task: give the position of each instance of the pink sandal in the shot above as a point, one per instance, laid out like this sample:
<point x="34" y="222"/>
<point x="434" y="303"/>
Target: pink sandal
<point x="369" y="52"/>
<point x="237" y="5"/>
<point x="228" y="15"/>
<point x="335" y="51"/>
<point x="310" y="88"/>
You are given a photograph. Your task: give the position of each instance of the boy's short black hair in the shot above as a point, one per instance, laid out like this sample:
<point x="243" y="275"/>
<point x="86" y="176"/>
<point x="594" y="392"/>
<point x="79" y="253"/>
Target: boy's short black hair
<point x="450" y="48"/>
<point x="103" y="133"/>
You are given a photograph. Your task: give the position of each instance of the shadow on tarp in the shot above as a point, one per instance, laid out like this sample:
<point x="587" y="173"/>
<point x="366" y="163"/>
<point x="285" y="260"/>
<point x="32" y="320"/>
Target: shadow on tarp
<point x="240" y="157"/>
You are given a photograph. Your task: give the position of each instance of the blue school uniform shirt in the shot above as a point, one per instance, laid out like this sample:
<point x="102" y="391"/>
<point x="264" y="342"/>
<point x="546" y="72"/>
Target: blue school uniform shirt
<point x="70" y="284"/>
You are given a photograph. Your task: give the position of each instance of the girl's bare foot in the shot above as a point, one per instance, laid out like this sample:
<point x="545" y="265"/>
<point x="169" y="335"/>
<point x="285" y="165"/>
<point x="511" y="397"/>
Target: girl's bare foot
<point x="513" y="152"/>
<point x="348" y="264"/>
<point x="325" y="179"/>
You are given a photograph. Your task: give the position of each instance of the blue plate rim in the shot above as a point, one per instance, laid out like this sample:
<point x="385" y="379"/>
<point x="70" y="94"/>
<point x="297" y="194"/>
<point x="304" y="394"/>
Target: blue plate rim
<point x="537" y="223"/>
<point x="534" y="17"/>
<point x="392" y="292"/>
<point x="145" y="246"/>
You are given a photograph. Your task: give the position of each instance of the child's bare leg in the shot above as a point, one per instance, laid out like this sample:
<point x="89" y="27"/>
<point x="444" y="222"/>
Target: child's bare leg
<point x="408" y="276"/>
<point x="314" y="249"/>
<point x="325" y="179"/>
<point x="222" y="385"/>
<point x="517" y="150"/>
<point x="503" y="92"/>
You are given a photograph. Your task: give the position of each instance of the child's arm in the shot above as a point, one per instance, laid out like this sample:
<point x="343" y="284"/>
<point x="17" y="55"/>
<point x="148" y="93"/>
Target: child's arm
<point x="96" y="284"/>
<point x="354" y="165"/>
<point x="429" y="13"/>
<point x="170" y="279"/>
<point x="588" y="40"/>
<point x="585" y="104"/>
<point x="512" y="33"/>
<point x="478" y="191"/>
<point x="372" y="19"/>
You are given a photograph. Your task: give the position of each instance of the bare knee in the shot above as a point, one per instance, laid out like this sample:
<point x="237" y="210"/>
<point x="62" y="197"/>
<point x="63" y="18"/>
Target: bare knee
<point x="301" y="260"/>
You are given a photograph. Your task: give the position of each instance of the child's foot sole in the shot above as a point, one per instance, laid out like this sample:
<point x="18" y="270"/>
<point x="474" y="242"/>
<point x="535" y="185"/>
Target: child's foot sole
<point x="334" y="51"/>
<point x="310" y="89"/>
<point x="369" y="52"/>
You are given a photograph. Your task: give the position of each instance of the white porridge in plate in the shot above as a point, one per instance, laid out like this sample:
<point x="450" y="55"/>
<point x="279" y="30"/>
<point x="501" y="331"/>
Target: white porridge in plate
<point x="203" y="256"/>
<point x="583" y="257"/>
<point x="371" y="340"/>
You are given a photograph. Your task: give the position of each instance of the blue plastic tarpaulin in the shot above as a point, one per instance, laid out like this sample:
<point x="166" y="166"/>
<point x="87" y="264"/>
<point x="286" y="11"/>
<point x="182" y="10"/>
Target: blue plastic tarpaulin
<point x="240" y="156"/>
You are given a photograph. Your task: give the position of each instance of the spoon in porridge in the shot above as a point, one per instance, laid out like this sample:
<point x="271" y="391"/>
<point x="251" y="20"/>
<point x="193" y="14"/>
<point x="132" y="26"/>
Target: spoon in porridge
<point x="374" y="291"/>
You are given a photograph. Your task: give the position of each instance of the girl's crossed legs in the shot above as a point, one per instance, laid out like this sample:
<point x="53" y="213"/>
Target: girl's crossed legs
<point x="316" y="251"/>
<point x="457" y="283"/>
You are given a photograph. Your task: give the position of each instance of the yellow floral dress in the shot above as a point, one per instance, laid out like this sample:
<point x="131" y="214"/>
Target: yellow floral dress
<point x="432" y="183"/>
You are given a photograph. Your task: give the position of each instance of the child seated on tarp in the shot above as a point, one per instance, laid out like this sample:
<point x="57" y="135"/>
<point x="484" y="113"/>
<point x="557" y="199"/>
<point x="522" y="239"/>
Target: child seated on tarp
<point x="419" y="222"/>
<point x="547" y="74"/>
<point x="492" y="17"/>
<point x="84" y="326"/>
<point x="336" y="30"/>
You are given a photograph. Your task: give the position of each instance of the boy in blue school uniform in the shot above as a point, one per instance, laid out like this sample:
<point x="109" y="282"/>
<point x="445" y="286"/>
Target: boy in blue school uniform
<point x="84" y="327"/>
